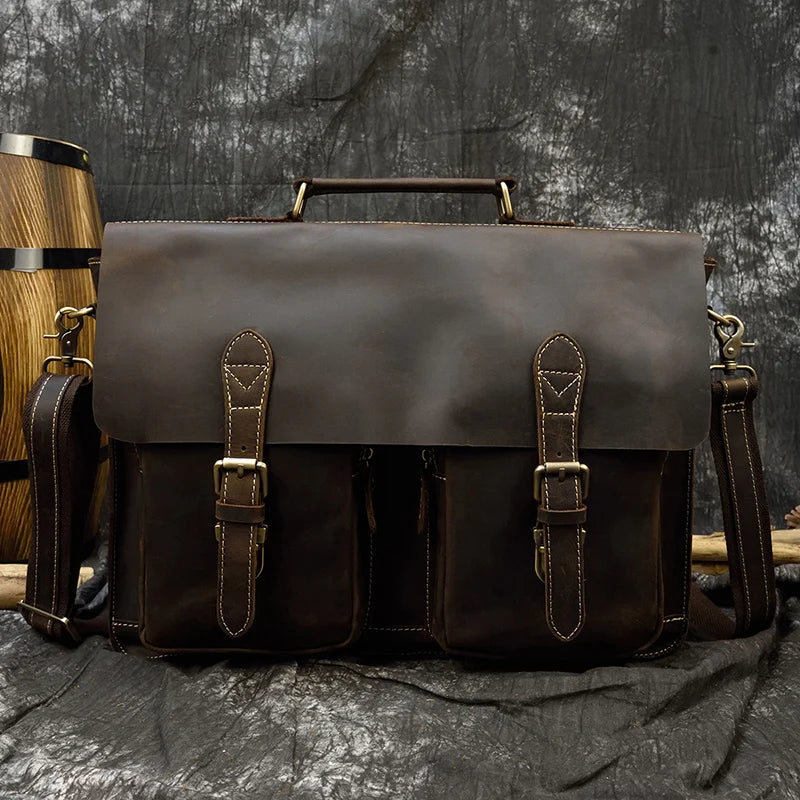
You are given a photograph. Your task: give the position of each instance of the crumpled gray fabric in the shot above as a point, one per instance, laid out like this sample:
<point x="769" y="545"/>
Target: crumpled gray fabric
<point x="712" y="720"/>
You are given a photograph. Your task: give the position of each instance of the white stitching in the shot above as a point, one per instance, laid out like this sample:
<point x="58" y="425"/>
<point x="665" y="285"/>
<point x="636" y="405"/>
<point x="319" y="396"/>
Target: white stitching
<point x="407" y="628"/>
<point x="56" y="510"/>
<point x="732" y="483"/>
<point x="653" y="653"/>
<point x="428" y="569"/>
<point x="549" y="582"/>
<point x="391" y="222"/>
<point x="113" y="554"/>
<point x="36" y="498"/>
<point x="254" y="478"/>
<point x="688" y="537"/>
<point x="252" y="383"/>
<point x="557" y="393"/>
<point x="755" y="495"/>
<point x="673" y="645"/>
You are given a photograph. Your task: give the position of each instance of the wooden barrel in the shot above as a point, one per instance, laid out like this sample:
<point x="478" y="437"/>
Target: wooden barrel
<point x="49" y="227"/>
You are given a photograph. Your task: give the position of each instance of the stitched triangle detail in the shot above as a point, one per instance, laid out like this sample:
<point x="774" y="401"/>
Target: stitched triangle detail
<point x="559" y="382"/>
<point x="245" y="375"/>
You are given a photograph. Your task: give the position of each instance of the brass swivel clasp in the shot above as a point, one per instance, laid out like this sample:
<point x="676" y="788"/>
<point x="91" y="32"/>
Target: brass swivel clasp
<point x="729" y="331"/>
<point x="67" y="336"/>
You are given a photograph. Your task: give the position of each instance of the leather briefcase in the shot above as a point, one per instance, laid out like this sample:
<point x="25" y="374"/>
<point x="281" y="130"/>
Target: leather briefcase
<point x="399" y="437"/>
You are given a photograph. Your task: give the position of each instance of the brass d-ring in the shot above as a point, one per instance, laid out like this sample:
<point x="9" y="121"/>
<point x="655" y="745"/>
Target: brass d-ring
<point x="300" y="202"/>
<point x="504" y="201"/>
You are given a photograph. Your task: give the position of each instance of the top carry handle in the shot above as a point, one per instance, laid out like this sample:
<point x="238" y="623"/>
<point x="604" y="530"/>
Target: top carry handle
<point x="501" y="188"/>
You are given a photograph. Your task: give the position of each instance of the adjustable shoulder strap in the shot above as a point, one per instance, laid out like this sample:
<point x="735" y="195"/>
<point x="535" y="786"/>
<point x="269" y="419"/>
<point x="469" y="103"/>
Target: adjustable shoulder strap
<point x="745" y="515"/>
<point x="63" y="444"/>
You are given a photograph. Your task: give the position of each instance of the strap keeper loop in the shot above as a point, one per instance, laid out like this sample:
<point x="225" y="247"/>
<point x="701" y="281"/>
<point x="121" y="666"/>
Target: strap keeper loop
<point x="547" y="516"/>
<point x="245" y="515"/>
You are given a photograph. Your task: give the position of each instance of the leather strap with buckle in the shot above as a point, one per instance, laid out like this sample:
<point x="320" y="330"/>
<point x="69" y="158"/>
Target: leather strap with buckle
<point x="560" y="484"/>
<point x="240" y="480"/>
<point x="62" y="443"/>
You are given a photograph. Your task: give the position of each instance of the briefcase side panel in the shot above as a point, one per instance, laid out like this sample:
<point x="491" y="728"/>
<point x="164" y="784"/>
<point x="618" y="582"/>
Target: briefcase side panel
<point x="676" y="538"/>
<point x="309" y="596"/>
<point x="123" y="546"/>
<point x="488" y="599"/>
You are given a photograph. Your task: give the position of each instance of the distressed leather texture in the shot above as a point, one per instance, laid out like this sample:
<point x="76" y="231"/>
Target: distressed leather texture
<point x="733" y="441"/>
<point x="402" y="334"/>
<point x="62" y="443"/>
<point x="327" y="437"/>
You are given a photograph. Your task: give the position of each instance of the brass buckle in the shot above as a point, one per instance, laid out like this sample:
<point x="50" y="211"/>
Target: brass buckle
<point x="65" y="621"/>
<point x="261" y="537"/>
<point x="540" y="563"/>
<point x="241" y="465"/>
<point x="561" y="469"/>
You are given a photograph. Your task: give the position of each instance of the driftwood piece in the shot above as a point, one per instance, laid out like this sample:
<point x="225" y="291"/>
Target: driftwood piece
<point x="710" y="555"/>
<point x="12" y="583"/>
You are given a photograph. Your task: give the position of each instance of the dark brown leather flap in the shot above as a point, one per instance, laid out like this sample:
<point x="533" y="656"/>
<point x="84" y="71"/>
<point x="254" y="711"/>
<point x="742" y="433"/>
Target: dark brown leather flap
<point x="392" y="333"/>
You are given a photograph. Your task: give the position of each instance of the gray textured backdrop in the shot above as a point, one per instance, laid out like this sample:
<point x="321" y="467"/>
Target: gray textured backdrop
<point x="665" y="113"/>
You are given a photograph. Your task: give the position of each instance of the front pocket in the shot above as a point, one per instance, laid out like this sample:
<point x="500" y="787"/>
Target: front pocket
<point x="488" y="599"/>
<point x="310" y="594"/>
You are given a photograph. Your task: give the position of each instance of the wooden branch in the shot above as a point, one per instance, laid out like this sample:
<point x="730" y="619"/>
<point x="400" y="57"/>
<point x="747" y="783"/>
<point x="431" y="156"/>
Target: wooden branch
<point x="710" y="555"/>
<point x="12" y="583"/>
